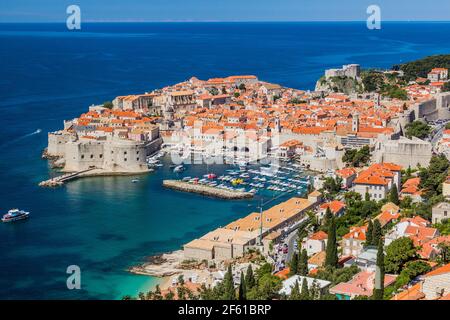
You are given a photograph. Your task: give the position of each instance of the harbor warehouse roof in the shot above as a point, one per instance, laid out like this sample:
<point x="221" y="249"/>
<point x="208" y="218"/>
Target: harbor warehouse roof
<point x="271" y="217"/>
<point x="222" y="237"/>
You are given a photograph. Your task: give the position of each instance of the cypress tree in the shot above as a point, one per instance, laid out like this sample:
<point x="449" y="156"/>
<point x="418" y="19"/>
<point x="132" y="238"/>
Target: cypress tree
<point x="293" y="265"/>
<point x="376" y="233"/>
<point x="295" y="292"/>
<point x="327" y="218"/>
<point x="393" y="195"/>
<point x="367" y="196"/>
<point x="303" y="263"/>
<point x="369" y="233"/>
<point x="249" y="278"/>
<point x="331" y="258"/>
<point x="305" y="292"/>
<point x="228" y="285"/>
<point x="314" y="291"/>
<point x="379" y="276"/>
<point x="242" y="294"/>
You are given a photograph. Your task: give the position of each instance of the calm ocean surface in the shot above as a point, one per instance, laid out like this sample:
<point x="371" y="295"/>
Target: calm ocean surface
<point x="104" y="225"/>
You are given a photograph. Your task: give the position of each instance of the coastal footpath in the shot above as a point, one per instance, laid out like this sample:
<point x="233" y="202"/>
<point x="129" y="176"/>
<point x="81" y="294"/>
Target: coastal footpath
<point x="206" y="190"/>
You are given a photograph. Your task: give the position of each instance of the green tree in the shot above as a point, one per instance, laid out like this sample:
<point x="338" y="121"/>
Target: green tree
<point x="417" y="129"/>
<point x="393" y="195"/>
<point x="379" y="292"/>
<point x="399" y="252"/>
<point x="303" y="263"/>
<point x="327" y="218"/>
<point x="314" y="291"/>
<point x="242" y="290"/>
<point x="295" y="292"/>
<point x="242" y="86"/>
<point x="267" y="285"/>
<point x="305" y="291"/>
<point x="228" y="284"/>
<point x="376" y="233"/>
<point x="431" y="178"/>
<point x="107" y="104"/>
<point x="331" y="258"/>
<point x="214" y="91"/>
<point x="293" y="266"/>
<point x="357" y="158"/>
<point x="369" y="233"/>
<point x="249" y="278"/>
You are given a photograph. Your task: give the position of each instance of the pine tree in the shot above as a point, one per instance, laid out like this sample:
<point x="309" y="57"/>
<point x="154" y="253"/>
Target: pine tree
<point x="242" y="294"/>
<point x="369" y="233"/>
<point x="295" y="292"/>
<point x="304" y="295"/>
<point x="376" y="232"/>
<point x="293" y="265"/>
<point x="379" y="277"/>
<point x="228" y="285"/>
<point x="331" y="258"/>
<point x="249" y="278"/>
<point x="303" y="263"/>
<point x="393" y="195"/>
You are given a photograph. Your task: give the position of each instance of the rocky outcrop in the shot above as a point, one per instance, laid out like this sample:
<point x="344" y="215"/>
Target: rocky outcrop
<point x="339" y="84"/>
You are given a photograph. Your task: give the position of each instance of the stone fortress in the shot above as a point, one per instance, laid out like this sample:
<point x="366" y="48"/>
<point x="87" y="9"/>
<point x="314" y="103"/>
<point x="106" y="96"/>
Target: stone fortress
<point x="351" y="71"/>
<point x="116" y="151"/>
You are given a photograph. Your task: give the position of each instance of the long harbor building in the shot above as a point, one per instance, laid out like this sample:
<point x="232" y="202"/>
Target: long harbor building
<point x="234" y="239"/>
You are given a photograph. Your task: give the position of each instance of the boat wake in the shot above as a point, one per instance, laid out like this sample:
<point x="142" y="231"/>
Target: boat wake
<point x="23" y="137"/>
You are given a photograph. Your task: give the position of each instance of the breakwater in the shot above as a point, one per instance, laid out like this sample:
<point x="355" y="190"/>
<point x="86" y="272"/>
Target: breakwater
<point x="206" y="190"/>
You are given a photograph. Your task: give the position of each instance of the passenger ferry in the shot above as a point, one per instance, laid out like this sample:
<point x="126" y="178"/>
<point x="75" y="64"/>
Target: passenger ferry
<point x="15" y="215"/>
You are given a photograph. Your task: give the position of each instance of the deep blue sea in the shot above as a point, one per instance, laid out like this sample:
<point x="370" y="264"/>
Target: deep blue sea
<point x="104" y="225"/>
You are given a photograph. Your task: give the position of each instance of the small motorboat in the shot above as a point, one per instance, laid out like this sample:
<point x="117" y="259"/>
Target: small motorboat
<point x="15" y="215"/>
<point x="179" y="168"/>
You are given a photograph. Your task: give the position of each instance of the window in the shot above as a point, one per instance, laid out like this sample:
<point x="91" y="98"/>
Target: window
<point x="100" y="156"/>
<point x="137" y="159"/>
<point x="124" y="159"/>
<point x="124" y="152"/>
<point x="92" y="156"/>
<point x="82" y="156"/>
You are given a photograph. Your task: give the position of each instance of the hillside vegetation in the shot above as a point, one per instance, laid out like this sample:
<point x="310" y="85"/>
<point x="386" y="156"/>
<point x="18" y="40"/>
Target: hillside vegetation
<point x="420" y="68"/>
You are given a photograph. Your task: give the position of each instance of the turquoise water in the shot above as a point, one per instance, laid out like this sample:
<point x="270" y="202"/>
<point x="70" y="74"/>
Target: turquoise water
<point x="105" y="225"/>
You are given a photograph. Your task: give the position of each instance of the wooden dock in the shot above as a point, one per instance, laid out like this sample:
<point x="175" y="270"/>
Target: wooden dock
<point x="206" y="190"/>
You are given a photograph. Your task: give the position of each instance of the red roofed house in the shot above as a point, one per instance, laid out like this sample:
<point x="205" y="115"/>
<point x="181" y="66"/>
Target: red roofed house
<point x="353" y="242"/>
<point x="411" y="189"/>
<point x="362" y="284"/>
<point x="316" y="242"/>
<point x="347" y="175"/>
<point x="337" y="208"/>
<point x="435" y="285"/>
<point x="386" y="217"/>
<point x="378" y="180"/>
